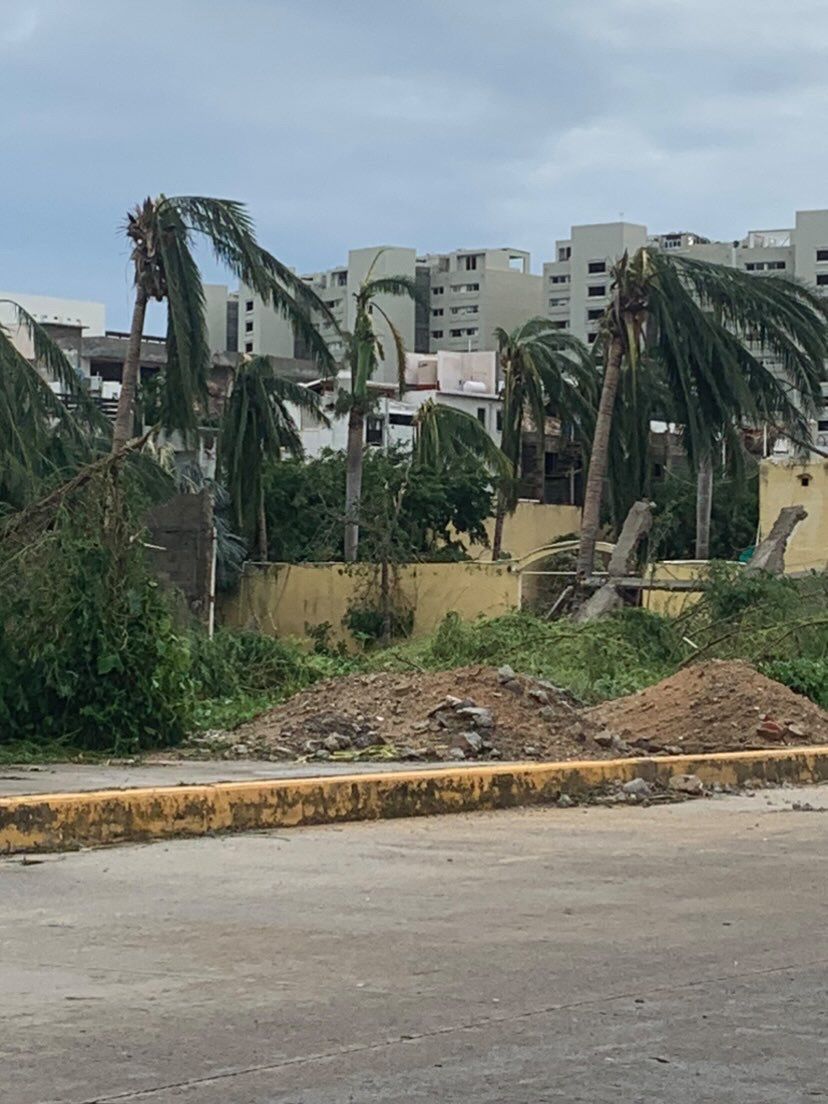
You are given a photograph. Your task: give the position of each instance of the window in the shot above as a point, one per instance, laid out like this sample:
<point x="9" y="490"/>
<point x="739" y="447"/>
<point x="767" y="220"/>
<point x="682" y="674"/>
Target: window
<point x="436" y="333"/>
<point x="591" y="338"/>
<point x="559" y="302"/>
<point x="822" y="279"/>
<point x="564" y="252"/>
<point x="805" y="480"/>
<point x="339" y="279"/>
<point x="822" y="426"/>
<point x="437" y="312"/>
<point x="597" y="266"/>
<point x="559" y="325"/>
<point x="248" y="306"/>
<point x="593" y="314"/>
<point x="373" y="430"/>
<point x="560" y="279"/>
<point x="499" y="421"/>
<point x="331" y="303"/>
<point x="469" y="263"/>
<point x="248" y="346"/>
<point x="465" y="287"/>
<point x="471" y="331"/>
<point x="400" y="419"/>
<point x="481" y="415"/>
<point x="776" y="264"/>
<point x="437" y="291"/>
<point x="473" y="309"/>
<point x="596" y="291"/>
<point x="248" y="327"/>
<point x="822" y="254"/>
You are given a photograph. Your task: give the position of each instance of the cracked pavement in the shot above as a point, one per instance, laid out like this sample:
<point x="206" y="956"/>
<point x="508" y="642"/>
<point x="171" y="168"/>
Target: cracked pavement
<point x="676" y="952"/>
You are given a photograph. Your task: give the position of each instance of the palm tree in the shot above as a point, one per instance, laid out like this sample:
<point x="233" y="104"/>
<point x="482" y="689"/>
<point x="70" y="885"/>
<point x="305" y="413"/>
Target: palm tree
<point x="364" y="354"/>
<point x="162" y="232"/>
<point x="256" y="426"/>
<point x="706" y="325"/>
<point x="39" y="434"/>
<point x="543" y="369"/>
<point x="444" y="434"/>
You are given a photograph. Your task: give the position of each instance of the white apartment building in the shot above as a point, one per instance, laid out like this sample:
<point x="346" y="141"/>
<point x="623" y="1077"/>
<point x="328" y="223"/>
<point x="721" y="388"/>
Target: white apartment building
<point x="265" y="331"/>
<point x="465" y="381"/>
<point x="576" y="284"/>
<point x="474" y="291"/>
<point x="463" y="295"/>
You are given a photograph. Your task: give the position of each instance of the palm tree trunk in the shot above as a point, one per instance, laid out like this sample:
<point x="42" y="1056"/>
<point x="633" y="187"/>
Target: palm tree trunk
<point x="262" y="527"/>
<point x="385" y="601"/>
<point x="353" y="482"/>
<point x="122" y="431"/>
<point x="497" y="536"/>
<point x="598" y="461"/>
<point x="540" y="464"/>
<point x="704" y="506"/>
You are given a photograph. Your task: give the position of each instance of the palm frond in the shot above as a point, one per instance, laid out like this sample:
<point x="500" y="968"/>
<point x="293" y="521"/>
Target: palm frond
<point x="257" y="427"/>
<point x="229" y="229"/>
<point x="443" y="434"/>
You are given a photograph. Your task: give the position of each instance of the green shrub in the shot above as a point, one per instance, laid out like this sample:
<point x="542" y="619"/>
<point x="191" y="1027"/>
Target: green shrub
<point x="805" y="676"/>
<point x="234" y="663"/>
<point x="595" y="661"/>
<point x="89" y="656"/>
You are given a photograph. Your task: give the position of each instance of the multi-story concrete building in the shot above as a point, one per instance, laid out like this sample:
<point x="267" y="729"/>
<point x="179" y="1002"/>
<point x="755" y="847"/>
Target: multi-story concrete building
<point x="472" y="292"/>
<point x="463" y="296"/>
<point x="576" y="284"/>
<point x="263" y="330"/>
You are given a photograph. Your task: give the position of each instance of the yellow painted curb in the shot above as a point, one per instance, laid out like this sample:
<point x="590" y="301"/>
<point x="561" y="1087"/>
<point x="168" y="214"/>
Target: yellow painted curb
<point x="49" y="822"/>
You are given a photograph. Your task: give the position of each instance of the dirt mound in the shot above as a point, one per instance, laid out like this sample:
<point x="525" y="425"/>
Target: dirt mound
<point x="721" y="705"/>
<point x="468" y="713"/>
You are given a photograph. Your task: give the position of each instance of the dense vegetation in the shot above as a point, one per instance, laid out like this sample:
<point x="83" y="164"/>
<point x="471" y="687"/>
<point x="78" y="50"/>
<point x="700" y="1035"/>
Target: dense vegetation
<point x="414" y="511"/>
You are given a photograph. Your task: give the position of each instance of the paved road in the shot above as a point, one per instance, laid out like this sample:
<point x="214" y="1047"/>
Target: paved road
<point x="674" y="954"/>
<point x="72" y="777"/>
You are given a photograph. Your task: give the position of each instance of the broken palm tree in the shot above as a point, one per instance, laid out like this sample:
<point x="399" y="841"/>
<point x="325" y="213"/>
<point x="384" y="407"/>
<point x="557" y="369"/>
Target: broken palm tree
<point x="637" y="524"/>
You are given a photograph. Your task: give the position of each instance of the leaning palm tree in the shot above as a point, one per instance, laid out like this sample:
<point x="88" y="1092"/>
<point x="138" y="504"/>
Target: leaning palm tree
<point x="162" y="233"/>
<point x="444" y="434"/>
<point x="543" y="370"/>
<point x="257" y="427"/>
<point x="39" y="433"/>
<point x="364" y="353"/>
<point x="708" y="327"/>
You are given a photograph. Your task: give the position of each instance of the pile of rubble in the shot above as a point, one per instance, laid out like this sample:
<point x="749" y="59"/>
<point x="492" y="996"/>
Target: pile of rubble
<point x="468" y="713"/>
<point x="721" y="705"/>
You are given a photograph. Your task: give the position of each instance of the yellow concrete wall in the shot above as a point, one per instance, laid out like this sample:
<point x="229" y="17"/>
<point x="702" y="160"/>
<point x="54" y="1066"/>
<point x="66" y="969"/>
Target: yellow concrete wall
<point x="282" y="599"/>
<point x="780" y="484"/>
<point x="670" y="603"/>
<point x="532" y="525"/>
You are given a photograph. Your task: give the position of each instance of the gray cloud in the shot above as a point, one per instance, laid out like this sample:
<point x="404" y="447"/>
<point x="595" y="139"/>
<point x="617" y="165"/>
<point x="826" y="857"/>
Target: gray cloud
<point x="436" y="124"/>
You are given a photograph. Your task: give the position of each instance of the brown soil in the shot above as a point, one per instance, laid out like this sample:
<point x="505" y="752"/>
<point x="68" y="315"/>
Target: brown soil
<point x="391" y="715"/>
<point x="721" y="705"/>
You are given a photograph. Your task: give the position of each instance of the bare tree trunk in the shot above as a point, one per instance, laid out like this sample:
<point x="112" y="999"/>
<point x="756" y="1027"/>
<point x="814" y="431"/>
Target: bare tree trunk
<point x="704" y="506"/>
<point x="353" y="482"/>
<point x="598" y="461"/>
<point x="262" y="526"/>
<point x="129" y="378"/>
<point x="385" y="601"/>
<point x="540" y="465"/>
<point x="497" y="536"/>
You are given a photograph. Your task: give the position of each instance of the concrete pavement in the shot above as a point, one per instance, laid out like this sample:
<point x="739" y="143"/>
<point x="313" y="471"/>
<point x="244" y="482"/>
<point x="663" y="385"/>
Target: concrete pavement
<point x="79" y="777"/>
<point x="674" y="953"/>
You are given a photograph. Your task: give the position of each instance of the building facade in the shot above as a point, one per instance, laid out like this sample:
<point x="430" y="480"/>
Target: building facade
<point x="576" y="284"/>
<point x="462" y="298"/>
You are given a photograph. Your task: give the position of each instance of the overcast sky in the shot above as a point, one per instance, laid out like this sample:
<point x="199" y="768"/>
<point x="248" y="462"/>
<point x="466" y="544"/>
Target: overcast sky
<point x="433" y="123"/>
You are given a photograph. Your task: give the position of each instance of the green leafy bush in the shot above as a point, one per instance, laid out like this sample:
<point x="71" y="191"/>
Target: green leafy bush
<point x="805" y="676"/>
<point x="89" y="656"/>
